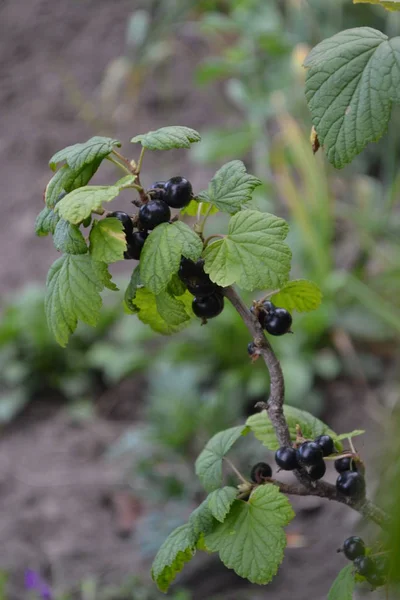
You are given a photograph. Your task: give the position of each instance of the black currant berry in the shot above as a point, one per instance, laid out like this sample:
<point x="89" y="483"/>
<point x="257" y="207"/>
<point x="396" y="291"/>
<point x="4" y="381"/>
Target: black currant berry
<point x="201" y="287"/>
<point x="157" y="191"/>
<point x="260" y="472"/>
<point x="208" y="307"/>
<point x="135" y="244"/>
<point x="269" y="307"/>
<point x="251" y="348"/>
<point x="326" y="443"/>
<point x="309" y="454"/>
<point x="154" y="213"/>
<point x="346" y="463"/>
<point x="376" y="580"/>
<point x="178" y="192"/>
<point x="286" y="458"/>
<point x="364" y="565"/>
<point x="158" y="185"/>
<point x="353" y="547"/>
<point x="125" y="220"/>
<point x="188" y="269"/>
<point x="278" y="322"/>
<point x="317" y="471"/>
<point x="350" y="483"/>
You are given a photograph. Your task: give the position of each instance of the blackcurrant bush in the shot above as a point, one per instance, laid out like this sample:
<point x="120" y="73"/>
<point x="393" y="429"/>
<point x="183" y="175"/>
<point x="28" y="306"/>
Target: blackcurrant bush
<point x="260" y="472"/>
<point x="376" y="579"/>
<point x="353" y="547"/>
<point x="286" y="458"/>
<point x="350" y="483"/>
<point x="309" y="454"/>
<point x="364" y="565"/>
<point x="317" y="471"/>
<point x="154" y="213"/>
<point x="178" y="192"/>
<point x="278" y="322"/>
<point x="251" y="348"/>
<point x="208" y="307"/>
<point x="346" y="463"/>
<point x="202" y="287"/>
<point x="125" y="220"/>
<point x="326" y="443"/>
<point x="135" y="244"/>
<point x="188" y="269"/>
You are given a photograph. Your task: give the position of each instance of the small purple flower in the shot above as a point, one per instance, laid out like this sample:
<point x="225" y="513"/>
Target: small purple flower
<point x="35" y="583"/>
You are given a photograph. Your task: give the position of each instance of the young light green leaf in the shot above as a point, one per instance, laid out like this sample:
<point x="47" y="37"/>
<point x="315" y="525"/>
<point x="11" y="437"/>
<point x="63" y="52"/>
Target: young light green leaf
<point x="102" y="272"/>
<point x="220" y="502"/>
<point x="209" y="462"/>
<point x="125" y="182"/>
<point x="192" y="208"/>
<point x="107" y="240"/>
<point x="251" y="540"/>
<point x="46" y="222"/>
<point x="171" y="310"/>
<point x="178" y="549"/>
<point x="78" y="155"/>
<point x="66" y="179"/>
<point x="73" y="287"/>
<point x="347" y="436"/>
<point x="147" y="306"/>
<point x="344" y="584"/>
<point x="68" y="238"/>
<point x="167" y="138"/>
<point x="80" y="203"/>
<point x="352" y="80"/>
<point x="300" y="294"/>
<point x="231" y="187"/>
<point x="130" y="293"/>
<point x="311" y="427"/>
<point x="162" y="253"/>
<point x="253" y="254"/>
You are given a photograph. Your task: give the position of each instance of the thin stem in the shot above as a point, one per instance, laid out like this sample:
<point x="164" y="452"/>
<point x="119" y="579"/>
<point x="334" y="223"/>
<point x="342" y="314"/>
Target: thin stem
<point x="118" y="164"/>
<point x="140" y="161"/>
<point x="133" y="170"/>
<point x="235" y="470"/>
<point x="211" y="237"/>
<point x="126" y="162"/>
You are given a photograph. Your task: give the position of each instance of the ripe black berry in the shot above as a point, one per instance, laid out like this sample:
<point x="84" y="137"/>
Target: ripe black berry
<point x="364" y="565"/>
<point x="125" y="220"/>
<point x="278" y="322"/>
<point x="346" y="463"/>
<point x="269" y="307"/>
<point x="158" y="184"/>
<point x="309" y="454"/>
<point x="208" y="307"/>
<point x="326" y="443"/>
<point x="178" y="192"/>
<point x="260" y="472"/>
<point x="376" y="579"/>
<point x="350" y="483"/>
<point x="286" y="458"/>
<point x="317" y="471"/>
<point x="202" y="287"/>
<point x="157" y="191"/>
<point x="189" y="269"/>
<point x="251" y="348"/>
<point x="154" y="213"/>
<point x="353" y="547"/>
<point x="135" y="244"/>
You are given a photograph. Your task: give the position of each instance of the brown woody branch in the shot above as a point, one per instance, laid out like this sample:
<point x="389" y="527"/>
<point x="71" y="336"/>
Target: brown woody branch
<point x="274" y="407"/>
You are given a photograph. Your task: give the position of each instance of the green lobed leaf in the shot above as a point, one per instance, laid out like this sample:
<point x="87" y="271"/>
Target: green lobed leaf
<point x="101" y="270"/>
<point x="220" y="502"/>
<point x="107" y="240"/>
<point x="311" y="427"/>
<point x="176" y="287"/>
<point x="79" y="155"/>
<point x="231" y="187"/>
<point x="192" y="208"/>
<point x="147" y="305"/>
<point x="209" y="462"/>
<point x="178" y="549"/>
<point x="253" y="254"/>
<point x="392" y="5"/>
<point x="346" y="436"/>
<point x="352" y="80"/>
<point x="80" y="203"/>
<point x="251" y="540"/>
<point x="66" y="179"/>
<point x="300" y="294"/>
<point x="167" y="138"/>
<point x="46" y="222"/>
<point x="344" y="584"/>
<point x="201" y="519"/>
<point x="68" y="238"/>
<point x="162" y="251"/>
<point x="130" y="293"/>
<point x="73" y="287"/>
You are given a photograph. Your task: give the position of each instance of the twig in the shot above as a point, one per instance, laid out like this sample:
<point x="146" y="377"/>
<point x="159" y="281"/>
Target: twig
<point x="131" y="168"/>
<point x="274" y="407"/>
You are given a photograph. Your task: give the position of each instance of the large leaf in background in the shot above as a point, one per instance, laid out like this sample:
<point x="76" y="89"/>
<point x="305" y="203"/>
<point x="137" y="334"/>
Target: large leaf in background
<point x="344" y="584"/>
<point x="167" y="138"/>
<point x="79" y="155"/>
<point x="300" y="294"/>
<point x="253" y="254"/>
<point x="251" y="540"/>
<point x="352" y="80"/>
<point x="387" y="4"/>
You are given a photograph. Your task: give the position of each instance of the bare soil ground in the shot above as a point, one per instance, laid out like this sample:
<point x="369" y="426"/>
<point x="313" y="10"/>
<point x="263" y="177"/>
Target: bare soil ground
<point x="55" y="484"/>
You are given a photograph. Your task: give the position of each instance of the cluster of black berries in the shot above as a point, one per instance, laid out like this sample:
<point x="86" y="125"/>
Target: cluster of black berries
<point x="350" y="482"/>
<point x="374" y="568"/>
<point x="208" y="298"/>
<point x="309" y="455"/>
<point x="276" y="321"/>
<point x="261" y="472"/>
<point x="176" y="193"/>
